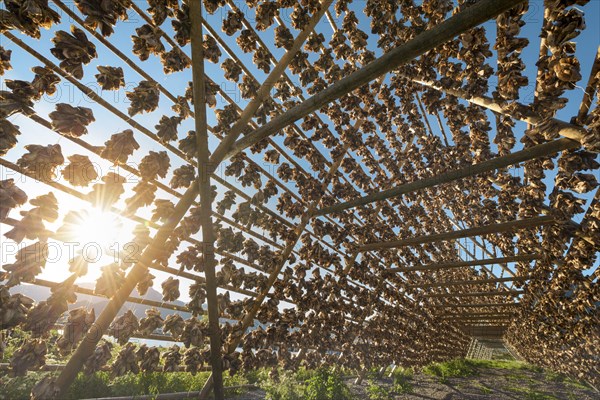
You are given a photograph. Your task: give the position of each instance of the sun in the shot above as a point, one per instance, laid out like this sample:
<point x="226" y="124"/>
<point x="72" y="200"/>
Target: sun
<point x="97" y="226"/>
<point x="96" y="231"/>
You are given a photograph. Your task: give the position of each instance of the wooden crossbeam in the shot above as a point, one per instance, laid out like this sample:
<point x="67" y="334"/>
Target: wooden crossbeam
<point x="477" y="317"/>
<point x="484" y="331"/>
<point x="468" y="18"/>
<point x="477" y="305"/>
<point x="524" y="114"/>
<point x="541" y="150"/>
<point x="476" y="294"/>
<point x="137" y="300"/>
<point x="478" y="314"/>
<point x="469" y="282"/>
<point x="470" y="263"/>
<point x="482" y="230"/>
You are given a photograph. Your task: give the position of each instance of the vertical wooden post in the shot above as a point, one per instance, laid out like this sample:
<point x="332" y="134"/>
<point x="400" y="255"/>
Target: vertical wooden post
<point x="361" y="376"/>
<point x="205" y="170"/>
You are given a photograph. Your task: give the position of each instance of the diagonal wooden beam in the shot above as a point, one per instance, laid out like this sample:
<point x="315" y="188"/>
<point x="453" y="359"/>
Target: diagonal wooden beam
<point x="481" y="230"/>
<point x="471" y="263"/>
<point x="541" y="150"/>
<point x="590" y="90"/>
<point x="476" y="294"/>
<point x="88" y="344"/>
<point x="468" y="18"/>
<point x="524" y="113"/>
<point x="468" y="282"/>
<point x="264" y="91"/>
<point x="282" y="259"/>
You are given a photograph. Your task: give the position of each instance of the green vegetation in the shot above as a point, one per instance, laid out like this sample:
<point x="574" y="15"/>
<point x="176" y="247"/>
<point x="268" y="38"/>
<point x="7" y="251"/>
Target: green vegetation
<point x="402" y="380"/>
<point x="377" y="392"/>
<point x="321" y="384"/>
<point x="484" y="389"/>
<point x="288" y="388"/>
<point x="325" y="385"/>
<point x="450" y="369"/>
<point x="468" y="367"/>
<point x="101" y="384"/>
<point x="532" y="393"/>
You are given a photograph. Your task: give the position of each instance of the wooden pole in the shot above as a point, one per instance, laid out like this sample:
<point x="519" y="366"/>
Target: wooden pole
<point x="477" y="305"/>
<point x="468" y="18"/>
<point x="205" y="169"/>
<point x="530" y="153"/>
<point x="91" y="339"/>
<point x="470" y="263"/>
<point x="476" y="294"/>
<point x="478" y="317"/>
<point x="471" y="282"/>
<point x="525" y="114"/>
<point x="281" y="261"/>
<point x="481" y="230"/>
<point x="90" y="292"/>
<point x="264" y="91"/>
<point x="590" y="89"/>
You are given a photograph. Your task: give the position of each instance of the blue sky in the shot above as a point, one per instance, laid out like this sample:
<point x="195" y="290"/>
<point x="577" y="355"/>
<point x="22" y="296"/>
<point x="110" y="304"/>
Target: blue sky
<point x="106" y="123"/>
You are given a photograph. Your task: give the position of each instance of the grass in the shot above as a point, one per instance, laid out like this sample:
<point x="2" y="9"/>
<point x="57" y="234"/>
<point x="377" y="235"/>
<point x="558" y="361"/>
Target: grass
<point x="484" y="389"/>
<point x="450" y="369"/>
<point x="532" y="393"/>
<point x="304" y="384"/>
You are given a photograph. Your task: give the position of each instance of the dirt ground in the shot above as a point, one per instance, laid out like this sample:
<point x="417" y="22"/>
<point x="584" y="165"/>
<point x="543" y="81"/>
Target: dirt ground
<point x="489" y="384"/>
<point x="496" y="384"/>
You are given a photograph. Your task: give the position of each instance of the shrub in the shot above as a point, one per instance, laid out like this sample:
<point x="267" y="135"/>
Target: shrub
<point x="377" y="392"/>
<point x="288" y="388"/>
<point x="19" y="388"/>
<point x="89" y="386"/>
<point x="402" y="378"/>
<point x="326" y="385"/>
<point x="450" y="369"/>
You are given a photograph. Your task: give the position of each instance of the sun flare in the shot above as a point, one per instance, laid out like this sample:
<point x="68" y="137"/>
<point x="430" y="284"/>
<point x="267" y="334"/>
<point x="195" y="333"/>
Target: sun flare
<point x="99" y="227"/>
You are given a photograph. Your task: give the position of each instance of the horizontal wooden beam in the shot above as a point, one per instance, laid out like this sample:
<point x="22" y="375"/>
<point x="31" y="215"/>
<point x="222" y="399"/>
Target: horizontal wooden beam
<point x="470" y="263"/>
<point x="476" y="294"/>
<point x="476" y="317"/>
<point x="91" y="292"/>
<point x="540" y="150"/>
<point x="466" y="19"/>
<point x="488" y="331"/>
<point x="481" y="230"/>
<point x="478" y="314"/>
<point x="469" y="282"/>
<point x="477" y="305"/>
